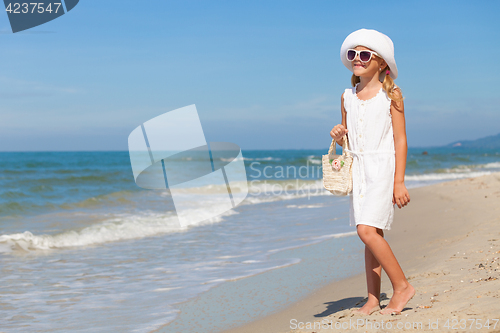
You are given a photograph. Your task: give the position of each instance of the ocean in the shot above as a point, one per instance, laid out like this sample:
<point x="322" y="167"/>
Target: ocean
<point x="84" y="249"/>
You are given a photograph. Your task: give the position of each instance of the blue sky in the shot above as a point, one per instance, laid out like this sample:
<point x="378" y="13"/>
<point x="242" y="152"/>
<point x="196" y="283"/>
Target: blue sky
<point x="263" y="74"/>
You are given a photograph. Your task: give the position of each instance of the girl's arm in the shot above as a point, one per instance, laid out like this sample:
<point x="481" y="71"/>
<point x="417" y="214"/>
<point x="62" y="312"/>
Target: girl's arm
<point x="340" y="130"/>
<point x="401" y="197"/>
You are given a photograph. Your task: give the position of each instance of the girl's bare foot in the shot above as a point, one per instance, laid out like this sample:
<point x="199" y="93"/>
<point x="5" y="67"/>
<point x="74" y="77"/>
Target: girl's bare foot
<point x="366" y="309"/>
<point x="399" y="300"/>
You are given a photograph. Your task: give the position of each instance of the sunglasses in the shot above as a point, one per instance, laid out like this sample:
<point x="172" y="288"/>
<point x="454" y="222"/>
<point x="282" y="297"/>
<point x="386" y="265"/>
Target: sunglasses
<point x="364" y="55"/>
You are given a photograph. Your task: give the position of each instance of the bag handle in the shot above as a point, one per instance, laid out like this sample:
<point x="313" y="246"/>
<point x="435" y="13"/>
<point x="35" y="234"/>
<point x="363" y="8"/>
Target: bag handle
<point x="333" y="146"/>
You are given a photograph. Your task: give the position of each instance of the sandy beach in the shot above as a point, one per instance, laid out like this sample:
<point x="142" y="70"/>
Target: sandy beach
<point x="447" y="241"/>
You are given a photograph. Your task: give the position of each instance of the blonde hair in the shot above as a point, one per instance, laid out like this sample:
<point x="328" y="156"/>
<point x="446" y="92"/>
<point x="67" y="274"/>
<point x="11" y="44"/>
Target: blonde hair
<point x="388" y="85"/>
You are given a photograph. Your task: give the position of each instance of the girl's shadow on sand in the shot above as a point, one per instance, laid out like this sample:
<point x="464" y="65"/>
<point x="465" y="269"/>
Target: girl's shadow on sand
<point x="347" y="303"/>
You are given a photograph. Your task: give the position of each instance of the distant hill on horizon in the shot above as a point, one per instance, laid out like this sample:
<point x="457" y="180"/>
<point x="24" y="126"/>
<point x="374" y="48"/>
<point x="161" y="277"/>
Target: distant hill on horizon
<point x="490" y="142"/>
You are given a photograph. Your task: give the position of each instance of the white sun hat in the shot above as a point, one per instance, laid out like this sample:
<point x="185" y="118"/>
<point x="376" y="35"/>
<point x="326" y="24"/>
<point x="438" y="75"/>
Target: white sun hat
<point x="374" y="40"/>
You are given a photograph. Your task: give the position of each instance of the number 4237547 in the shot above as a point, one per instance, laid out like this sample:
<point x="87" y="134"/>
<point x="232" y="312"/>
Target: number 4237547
<point x="474" y="323"/>
<point x="32" y="7"/>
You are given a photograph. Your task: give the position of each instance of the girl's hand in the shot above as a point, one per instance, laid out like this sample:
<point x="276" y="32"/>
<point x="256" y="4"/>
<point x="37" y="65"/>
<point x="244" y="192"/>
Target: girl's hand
<point x="338" y="132"/>
<point x="400" y="197"/>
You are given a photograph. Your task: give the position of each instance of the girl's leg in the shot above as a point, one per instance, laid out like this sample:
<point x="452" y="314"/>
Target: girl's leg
<point x="373" y="271"/>
<point x="403" y="291"/>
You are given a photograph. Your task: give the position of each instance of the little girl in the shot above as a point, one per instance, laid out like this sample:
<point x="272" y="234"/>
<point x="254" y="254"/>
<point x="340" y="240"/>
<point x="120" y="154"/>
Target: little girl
<point x="373" y="120"/>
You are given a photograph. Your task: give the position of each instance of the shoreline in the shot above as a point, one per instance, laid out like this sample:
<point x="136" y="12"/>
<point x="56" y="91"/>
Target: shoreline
<point x="222" y="306"/>
<point x="439" y="219"/>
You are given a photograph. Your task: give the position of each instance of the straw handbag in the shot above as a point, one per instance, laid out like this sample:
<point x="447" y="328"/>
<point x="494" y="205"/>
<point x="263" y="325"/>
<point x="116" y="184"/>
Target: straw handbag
<point x="337" y="170"/>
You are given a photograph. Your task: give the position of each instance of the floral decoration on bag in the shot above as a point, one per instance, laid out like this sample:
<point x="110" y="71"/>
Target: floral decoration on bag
<point x="337" y="164"/>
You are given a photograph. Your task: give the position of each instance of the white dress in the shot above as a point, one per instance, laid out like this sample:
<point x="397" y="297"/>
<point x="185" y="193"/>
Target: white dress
<point x="371" y="142"/>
